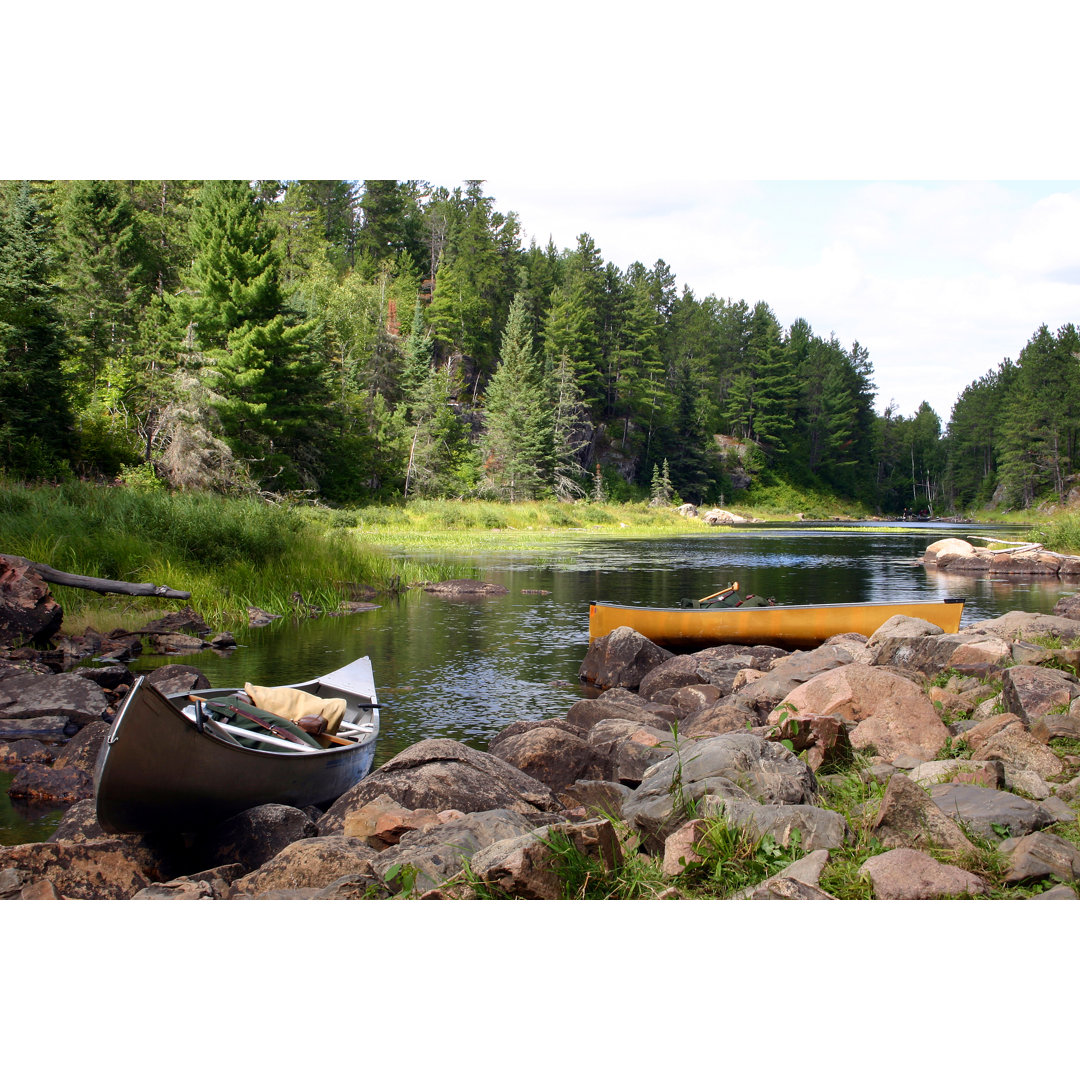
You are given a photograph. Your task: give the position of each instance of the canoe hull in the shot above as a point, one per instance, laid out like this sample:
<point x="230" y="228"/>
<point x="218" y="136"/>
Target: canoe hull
<point x="794" y="627"/>
<point x="158" y="772"/>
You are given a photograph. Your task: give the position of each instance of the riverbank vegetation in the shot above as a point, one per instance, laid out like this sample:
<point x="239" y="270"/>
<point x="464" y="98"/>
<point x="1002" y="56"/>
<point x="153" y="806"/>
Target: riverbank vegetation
<point x="227" y="552"/>
<point x="368" y="342"/>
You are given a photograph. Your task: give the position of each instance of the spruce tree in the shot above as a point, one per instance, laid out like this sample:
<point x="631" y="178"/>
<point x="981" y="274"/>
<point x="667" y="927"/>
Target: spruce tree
<point x="516" y="427"/>
<point x="35" y="419"/>
<point x="571" y="432"/>
<point x="258" y="357"/>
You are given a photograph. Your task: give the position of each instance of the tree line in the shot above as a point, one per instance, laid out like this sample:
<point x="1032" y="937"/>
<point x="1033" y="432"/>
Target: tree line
<point x="390" y="339"/>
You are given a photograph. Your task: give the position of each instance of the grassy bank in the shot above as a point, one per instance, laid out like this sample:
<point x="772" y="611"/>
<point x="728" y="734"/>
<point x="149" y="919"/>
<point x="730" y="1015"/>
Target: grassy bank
<point x="228" y="553"/>
<point x="1060" y="533"/>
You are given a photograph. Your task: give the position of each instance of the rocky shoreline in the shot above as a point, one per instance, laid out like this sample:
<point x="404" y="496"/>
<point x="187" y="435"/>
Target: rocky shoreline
<point x="963" y="751"/>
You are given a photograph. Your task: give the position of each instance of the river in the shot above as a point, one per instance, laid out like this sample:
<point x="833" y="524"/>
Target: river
<point x="465" y="669"/>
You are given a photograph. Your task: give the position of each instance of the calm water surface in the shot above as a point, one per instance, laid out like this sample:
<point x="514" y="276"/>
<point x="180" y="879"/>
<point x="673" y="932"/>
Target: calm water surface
<point x="466" y="669"/>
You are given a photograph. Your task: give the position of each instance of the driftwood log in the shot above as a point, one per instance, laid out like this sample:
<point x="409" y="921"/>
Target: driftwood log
<point x="99" y="585"/>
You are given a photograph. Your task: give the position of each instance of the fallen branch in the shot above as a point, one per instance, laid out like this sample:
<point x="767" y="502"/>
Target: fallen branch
<point x="1009" y="545"/>
<point x="99" y="585"/>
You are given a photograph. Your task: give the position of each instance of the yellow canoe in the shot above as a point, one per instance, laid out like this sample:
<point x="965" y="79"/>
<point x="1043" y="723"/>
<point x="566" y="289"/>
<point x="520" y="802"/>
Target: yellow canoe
<point x="801" y="626"/>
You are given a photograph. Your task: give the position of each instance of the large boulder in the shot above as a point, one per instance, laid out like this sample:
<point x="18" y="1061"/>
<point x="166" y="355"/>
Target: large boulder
<point x="619" y="704"/>
<point x="818" y="829"/>
<point x="727" y="714"/>
<point x="443" y="774"/>
<point x="1040" y="855"/>
<point x="990" y="814"/>
<point x="254" y="836"/>
<point x="623" y="750"/>
<point x="903" y="874"/>
<point x="100" y="870"/>
<point x="310" y="863"/>
<point x="81" y="750"/>
<point x="47" y="783"/>
<point x="554" y="757"/>
<point x="69" y="695"/>
<point x="908" y="817"/>
<point x="177" y="679"/>
<point x="929" y="654"/>
<point x="1068" y="607"/>
<point x="884" y="710"/>
<point x="789" y="672"/>
<point x="673" y="673"/>
<point x="903" y="626"/>
<point x="1024" y="625"/>
<point x="720" y="664"/>
<point x="1020" y="751"/>
<point x="949" y="546"/>
<point x="28" y="613"/>
<point x="622" y="658"/>
<point x="1031" y="692"/>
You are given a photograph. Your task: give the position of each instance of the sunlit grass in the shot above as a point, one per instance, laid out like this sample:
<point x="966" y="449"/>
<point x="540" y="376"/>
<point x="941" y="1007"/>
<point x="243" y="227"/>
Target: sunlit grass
<point x="228" y="553"/>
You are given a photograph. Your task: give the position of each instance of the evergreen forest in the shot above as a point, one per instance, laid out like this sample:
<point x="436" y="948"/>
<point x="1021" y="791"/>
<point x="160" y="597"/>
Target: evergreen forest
<point x="383" y="340"/>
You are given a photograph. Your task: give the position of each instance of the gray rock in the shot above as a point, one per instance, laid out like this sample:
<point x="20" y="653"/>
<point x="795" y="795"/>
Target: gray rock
<point x="1058" y="892"/>
<point x="805" y="871"/>
<point x="554" y="757"/>
<point x="981" y="809"/>
<point x="254" y="836"/>
<point x="622" y="658"/>
<point x="1030" y="692"/>
<point x="598" y="796"/>
<point x="617" y="704"/>
<point x="1040" y="855"/>
<point x="68" y="695"/>
<point x="443" y="774"/>
<point x="1058" y="809"/>
<point x="623" y="749"/>
<point x="819" y="829"/>
<point x="311" y="863"/>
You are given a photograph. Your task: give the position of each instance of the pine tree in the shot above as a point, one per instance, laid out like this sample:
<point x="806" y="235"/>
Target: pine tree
<point x="516" y="427"/>
<point x="258" y="357"/>
<point x="35" y="419"/>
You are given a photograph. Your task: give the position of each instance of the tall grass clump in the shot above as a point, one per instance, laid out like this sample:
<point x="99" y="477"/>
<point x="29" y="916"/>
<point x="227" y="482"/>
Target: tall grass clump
<point x="1060" y="533"/>
<point x="227" y="552"/>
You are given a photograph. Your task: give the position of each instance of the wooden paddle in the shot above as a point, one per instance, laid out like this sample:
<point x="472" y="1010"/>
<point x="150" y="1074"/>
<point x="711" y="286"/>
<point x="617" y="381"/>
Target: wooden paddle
<point x="733" y="587"/>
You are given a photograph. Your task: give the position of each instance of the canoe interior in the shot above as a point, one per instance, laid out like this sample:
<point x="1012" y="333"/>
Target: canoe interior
<point x="789" y="627"/>
<point x="158" y="772"/>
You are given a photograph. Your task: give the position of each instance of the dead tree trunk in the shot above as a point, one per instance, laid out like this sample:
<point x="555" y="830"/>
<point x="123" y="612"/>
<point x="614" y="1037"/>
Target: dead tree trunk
<point x="99" y="585"/>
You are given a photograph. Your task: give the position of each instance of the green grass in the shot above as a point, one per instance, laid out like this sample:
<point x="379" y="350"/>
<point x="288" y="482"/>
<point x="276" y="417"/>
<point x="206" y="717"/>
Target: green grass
<point x="1060" y="533"/>
<point x="227" y="552"/>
